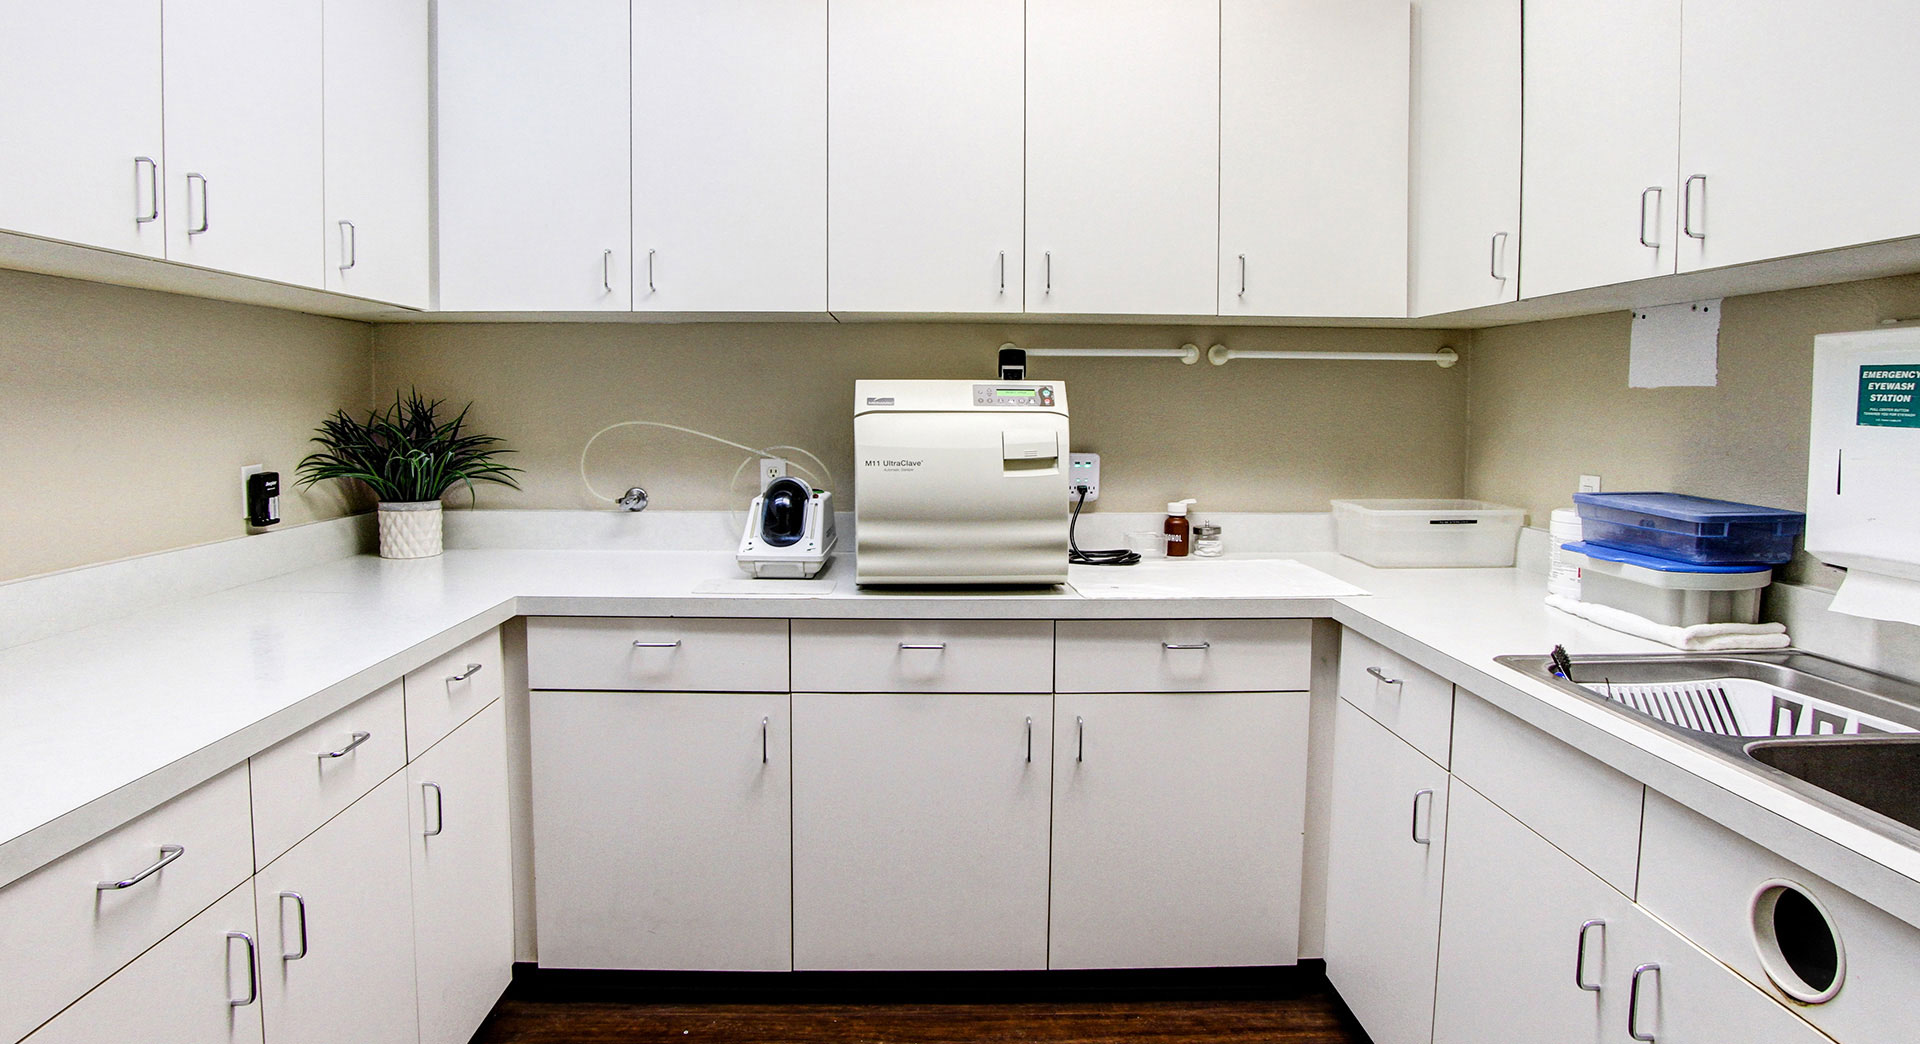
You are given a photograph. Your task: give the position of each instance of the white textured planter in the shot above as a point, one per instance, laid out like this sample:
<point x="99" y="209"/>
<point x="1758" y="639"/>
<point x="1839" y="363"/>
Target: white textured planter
<point x="409" y="528"/>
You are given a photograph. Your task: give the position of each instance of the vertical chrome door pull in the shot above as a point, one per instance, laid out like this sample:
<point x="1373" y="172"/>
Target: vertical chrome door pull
<point x="349" y="245"/>
<point x="358" y="738"/>
<point x="1418" y="838"/>
<point x="153" y="190"/>
<point x="253" y="970"/>
<point x="439" y="809"/>
<point x="763" y="738"/>
<point x="300" y="905"/>
<point x="1003" y="271"/>
<point x="1049" y="273"/>
<point x="1243" y="275"/>
<point x="1497" y="257"/>
<point x="1080" y="738"/>
<point x="606" y="270"/>
<point x="192" y="229"/>
<point x="1580" y="955"/>
<point x="1029" y="739"/>
<point x="1633" y="1005"/>
<point x="650" y="271"/>
<point x="168" y="853"/>
<point x="1656" y="192"/>
<point x="1686" y="206"/>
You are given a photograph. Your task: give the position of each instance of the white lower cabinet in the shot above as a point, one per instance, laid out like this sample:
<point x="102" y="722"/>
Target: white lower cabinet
<point x="199" y="984"/>
<point x="661" y="830"/>
<point x="462" y="877"/>
<point x="1385" y="859"/>
<point x="1684" y="996"/>
<point x="1177" y="829"/>
<point x="336" y="929"/>
<point x="920" y="830"/>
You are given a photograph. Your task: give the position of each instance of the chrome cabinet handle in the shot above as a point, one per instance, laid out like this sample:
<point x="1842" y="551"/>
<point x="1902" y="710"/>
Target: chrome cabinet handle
<point x="349" y="245"/>
<point x="1243" y="275"/>
<point x="439" y="809"/>
<point x="1003" y="271"/>
<point x="1418" y="838"/>
<point x="1049" y="257"/>
<point x="253" y="970"/>
<point x="1080" y="738"/>
<point x="1633" y="1005"/>
<point x="606" y="270"/>
<point x="300" y="905"/>
<point x="929" y="646"/>
<point x="650" y="272"/>
<point x="1171" y="646"/>
<point x="1656" y="192"/>
<point x="472" y="669"/>
<point x="1497" y="256"/>
<point x="1381" y="676"/>
<point x="1029" y="739"/>
<point x="675" y="644"/>
<point x="192" y="230"/>
<point x="1686" y="205"/>
<point x="358" y="738"/>
<point x="1580" y="955"/>
<point x="168" y="853"/>
<point x="764" y="724"/>
<point x="153" y="189"/>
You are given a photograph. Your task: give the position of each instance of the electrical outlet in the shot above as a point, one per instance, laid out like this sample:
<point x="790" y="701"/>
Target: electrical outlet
<point x="771" y="468"/>
<point x="1589" y="484"/>
<point x="1083" y="469"/>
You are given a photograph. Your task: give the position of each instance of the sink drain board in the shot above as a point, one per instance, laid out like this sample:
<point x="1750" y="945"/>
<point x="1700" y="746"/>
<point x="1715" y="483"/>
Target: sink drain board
<point x="1742" y="707"/>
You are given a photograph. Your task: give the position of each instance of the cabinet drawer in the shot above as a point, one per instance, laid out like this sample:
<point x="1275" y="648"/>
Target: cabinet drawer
<point x="452" y="689"/>
<point x="1182" y="655"/>
<point x="923" y="655"/>
<point x="306" y="780"/>
<point x="1414" y="703"/>
<point x="665" y="654"/>
<point x="65" y="934"/>
<point x="1587" y="810"/>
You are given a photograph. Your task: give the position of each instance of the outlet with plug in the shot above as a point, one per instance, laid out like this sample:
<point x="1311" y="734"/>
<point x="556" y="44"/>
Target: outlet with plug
<point x="1083" y="469"/>
<point x="1589" y="484"/>
<point x="771" y="468"/>
<point x="260" y="496"/>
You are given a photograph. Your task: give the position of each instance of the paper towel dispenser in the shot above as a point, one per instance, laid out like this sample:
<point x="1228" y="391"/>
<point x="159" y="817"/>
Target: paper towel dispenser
<point x="1863" y="473"/>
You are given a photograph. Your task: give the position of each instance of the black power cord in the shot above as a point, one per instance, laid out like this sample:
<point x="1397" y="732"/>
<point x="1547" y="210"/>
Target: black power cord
<point x="1119" y="557"/>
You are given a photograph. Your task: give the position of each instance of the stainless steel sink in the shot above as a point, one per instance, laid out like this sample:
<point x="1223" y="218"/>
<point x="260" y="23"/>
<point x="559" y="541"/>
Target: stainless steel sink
<point x="1845" y="738"/>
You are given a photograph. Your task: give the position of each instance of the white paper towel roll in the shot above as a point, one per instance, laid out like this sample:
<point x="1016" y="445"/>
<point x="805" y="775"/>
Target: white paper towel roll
<point x="1878" y="597"/>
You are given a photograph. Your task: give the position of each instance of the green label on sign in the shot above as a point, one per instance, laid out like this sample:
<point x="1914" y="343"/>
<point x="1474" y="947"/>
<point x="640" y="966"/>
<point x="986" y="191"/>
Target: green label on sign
<point x="1890" y="396"/>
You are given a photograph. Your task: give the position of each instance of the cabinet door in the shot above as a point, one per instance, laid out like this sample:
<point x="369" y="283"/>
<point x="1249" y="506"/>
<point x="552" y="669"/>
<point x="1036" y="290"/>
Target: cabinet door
<point x="661" y="830"/>
<point x="336" y="929"/>
<point x="1465" y="195"/>
<point x="1177" y="822"/>
<point x="730" y="155"/>
<point x="462" y="877"/>
<point x="1385" y="845"/>
<point x="1313" y="157"/>
<point x="1793" y="127"/>
<point x="1123" y="149"/>
<point x="1687" y="997"/>
<point x="1601" y="199"/>
<point x="80" y="145"/>
<point x="377" y="138"/>
<point x="1519" y="918"/>
<point x="243" y="124"/>
<point x="199" y="984"/>
<point x="925" y="155"/>
<point x="920" y="831"/>
<point x="532" y="120"/>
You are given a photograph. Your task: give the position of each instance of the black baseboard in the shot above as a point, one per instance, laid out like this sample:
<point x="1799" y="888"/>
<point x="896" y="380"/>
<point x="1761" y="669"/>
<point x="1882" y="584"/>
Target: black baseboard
<point x="534" y="983"/>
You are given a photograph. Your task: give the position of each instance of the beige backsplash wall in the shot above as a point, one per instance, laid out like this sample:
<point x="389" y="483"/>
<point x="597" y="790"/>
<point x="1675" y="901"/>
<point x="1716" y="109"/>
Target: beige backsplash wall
<point x="1550" y="402"/>
<point x="1249" y="436"/>
<point x="125" y="416"/>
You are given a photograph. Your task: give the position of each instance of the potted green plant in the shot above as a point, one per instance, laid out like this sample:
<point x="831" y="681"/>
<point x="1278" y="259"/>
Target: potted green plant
<point x="409" y="456"/>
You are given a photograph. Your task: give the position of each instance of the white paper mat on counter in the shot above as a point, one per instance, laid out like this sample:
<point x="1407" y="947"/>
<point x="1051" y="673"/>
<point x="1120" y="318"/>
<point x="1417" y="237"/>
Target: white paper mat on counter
<point x="1208" y="578"/>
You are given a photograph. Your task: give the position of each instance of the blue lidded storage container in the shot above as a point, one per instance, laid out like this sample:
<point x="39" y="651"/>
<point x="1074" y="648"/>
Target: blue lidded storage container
<point x="1689" y="529"/>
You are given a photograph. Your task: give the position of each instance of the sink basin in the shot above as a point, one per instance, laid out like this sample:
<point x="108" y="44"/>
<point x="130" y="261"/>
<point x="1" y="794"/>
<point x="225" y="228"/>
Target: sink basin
<point x="1881" y="773"/>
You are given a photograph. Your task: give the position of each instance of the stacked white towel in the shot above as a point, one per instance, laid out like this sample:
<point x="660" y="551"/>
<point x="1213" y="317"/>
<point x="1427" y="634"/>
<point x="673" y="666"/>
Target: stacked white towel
<point x="1713" y="637"/>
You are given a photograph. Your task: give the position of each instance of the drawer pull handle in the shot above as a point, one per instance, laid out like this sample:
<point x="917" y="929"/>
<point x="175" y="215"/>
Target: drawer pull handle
<point x="439" y="809"/>
<point x="1080" y="738"/>
<point x="1170" y="646"/>
<point x="253" y="970"/>
<point x="763" y="738"/>
<point x="472" y="669"/>
<point x="929" y="646"/>
<point x="168" y="853"/>
<point x="1029" y="739"/>
<point x="300" y="905"/>
<point x="1633" y="1005"/>
<point x="675" y="644"/>
<point x="1418" y="837"/>
<point x="1580" y="955"/>
<point x="358" y="738"/>
<point x="1381" y="676"/>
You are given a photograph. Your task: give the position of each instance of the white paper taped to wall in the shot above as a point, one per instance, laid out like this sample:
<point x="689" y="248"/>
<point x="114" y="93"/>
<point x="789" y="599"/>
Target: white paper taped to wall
<point x="1675" y="346"/>
<point x="1878" y="597"/>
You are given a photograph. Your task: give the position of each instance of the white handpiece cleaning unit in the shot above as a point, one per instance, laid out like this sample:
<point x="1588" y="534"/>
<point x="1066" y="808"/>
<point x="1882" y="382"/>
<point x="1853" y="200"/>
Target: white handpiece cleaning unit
<point x="958" y="482"/>
<point x="789" y="532"/>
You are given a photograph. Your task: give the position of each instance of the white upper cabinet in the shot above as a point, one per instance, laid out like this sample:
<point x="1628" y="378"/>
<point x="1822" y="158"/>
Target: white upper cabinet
<point x="1465" y="196"/>
<point x="376" y="94"/>
<point x="532" y="109"/>
<point x="1601" y="197"/>
<point x="243" y="125"/>
<point x="1313" y="157"/>
<point x="80" y="146"/>
<point x="1123" y="146"/>
<point x="1796" y="127"/>
<point x="730" y="155"/>
<point x="925" y="149"/>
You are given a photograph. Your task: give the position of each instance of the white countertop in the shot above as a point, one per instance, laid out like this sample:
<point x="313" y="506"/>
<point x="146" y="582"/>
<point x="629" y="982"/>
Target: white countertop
<point x="106" y="722"/>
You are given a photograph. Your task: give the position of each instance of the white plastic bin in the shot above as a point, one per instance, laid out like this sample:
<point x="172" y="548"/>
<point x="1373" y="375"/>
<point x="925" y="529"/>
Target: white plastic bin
<point x="1669" y="592"/>
<point x="1427" y="533"/>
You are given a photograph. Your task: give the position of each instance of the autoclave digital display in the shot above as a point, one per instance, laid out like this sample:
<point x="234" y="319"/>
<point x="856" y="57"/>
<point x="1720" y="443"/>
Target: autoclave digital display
<point x="995" y="395"/>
